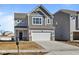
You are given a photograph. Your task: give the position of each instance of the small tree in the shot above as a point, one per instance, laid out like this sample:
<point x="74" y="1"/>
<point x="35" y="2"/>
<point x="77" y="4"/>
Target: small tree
<point x="2" y="32"/>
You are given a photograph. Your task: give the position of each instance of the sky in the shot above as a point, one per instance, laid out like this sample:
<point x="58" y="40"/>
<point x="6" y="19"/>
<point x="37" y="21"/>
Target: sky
<point x="7" y="12"/>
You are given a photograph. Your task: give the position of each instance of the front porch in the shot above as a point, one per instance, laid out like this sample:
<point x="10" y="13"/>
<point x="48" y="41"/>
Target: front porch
<point x="21" y="34"/>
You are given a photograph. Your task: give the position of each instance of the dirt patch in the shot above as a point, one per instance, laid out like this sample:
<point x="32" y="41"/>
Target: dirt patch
<point x="26" y="45"/>
<point x="30" y="46"/>
<point x="27" y="53"/>
<point x="74" y="43"/>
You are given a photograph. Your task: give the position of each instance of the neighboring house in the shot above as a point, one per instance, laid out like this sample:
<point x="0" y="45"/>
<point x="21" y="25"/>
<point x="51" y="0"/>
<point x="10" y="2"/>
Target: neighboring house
<point x="34" y="26"/>
<point x="66" y="24"/>
<point x="7" y="36"/>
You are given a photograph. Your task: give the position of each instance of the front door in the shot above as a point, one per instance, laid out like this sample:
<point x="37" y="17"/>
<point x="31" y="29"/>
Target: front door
<point x="20" y="35"/>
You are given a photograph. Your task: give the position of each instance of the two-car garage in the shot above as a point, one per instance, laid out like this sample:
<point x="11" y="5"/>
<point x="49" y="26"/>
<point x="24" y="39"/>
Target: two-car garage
<point x="41" y="36"/>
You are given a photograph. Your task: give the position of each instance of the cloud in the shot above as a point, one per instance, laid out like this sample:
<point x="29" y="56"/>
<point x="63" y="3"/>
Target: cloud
<point x="1" y="13"/>
<point x="7" y="22"/>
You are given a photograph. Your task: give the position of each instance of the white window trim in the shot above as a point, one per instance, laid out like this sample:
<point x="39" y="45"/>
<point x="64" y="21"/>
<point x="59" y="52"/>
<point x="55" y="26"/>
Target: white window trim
<point x="49" y="21"/>
<point x="37" y="24"/>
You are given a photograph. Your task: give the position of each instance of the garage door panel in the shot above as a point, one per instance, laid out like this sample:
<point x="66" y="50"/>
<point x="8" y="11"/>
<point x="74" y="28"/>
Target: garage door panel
<point x="41" y="36"/>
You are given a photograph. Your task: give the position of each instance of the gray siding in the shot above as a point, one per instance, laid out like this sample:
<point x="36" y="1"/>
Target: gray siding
<point x="43" y="26"/>
<point x="20" y="20"/>
<point x="62" y="30"/>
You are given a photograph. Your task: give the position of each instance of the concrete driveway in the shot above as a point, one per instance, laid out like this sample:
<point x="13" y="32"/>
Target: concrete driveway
<point x="58" y="48"/>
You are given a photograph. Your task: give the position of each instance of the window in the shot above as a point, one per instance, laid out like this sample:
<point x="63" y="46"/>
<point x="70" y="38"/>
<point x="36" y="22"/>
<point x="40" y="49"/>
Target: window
<point x="17" y="20"/>
<point x="73" y="17"/>
<point x="48" y="21"/>
<point x="37" y="20"/>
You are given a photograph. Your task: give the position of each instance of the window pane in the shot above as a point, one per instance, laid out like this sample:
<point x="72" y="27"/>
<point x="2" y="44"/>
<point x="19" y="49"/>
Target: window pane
<point x="37" y="20"/>
<point x="40" y="20"/>
<point x="48" y="20"/>
<point x="33" y="20"/>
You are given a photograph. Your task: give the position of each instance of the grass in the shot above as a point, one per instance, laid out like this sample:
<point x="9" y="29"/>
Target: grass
<point x="23" y="45"/>
<point x="26" y="45"/>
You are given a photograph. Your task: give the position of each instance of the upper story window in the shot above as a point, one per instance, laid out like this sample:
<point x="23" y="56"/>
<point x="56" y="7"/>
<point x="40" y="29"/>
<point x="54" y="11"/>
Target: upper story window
<point x="37" y="20"/>
<point x="73" y="17"/>
<point x="48" y="21"/>
<point x="18" y="20"/>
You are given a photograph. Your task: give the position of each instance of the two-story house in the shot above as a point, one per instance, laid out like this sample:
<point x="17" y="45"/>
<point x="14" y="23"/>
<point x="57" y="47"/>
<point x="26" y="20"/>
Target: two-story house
<point x="66" y="24"/>
<point x="34" y="26"/>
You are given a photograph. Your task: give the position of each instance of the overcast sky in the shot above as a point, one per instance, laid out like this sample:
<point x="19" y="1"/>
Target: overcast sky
<point x="7" y="11"/>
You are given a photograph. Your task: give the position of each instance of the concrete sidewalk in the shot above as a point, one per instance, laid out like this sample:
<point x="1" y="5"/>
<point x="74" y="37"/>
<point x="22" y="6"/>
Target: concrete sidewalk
<point x="58" y="48"/>
<point x="15" y="51"/>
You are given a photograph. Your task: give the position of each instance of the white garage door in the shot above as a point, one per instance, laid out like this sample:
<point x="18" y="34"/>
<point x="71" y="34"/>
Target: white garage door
<point x="41" y="36"/>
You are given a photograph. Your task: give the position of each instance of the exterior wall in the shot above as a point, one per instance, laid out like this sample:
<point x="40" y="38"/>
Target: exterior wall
<point x="21" y="26"/>
<point x="62" y="26"/>
<point x="72" y="26"/>
<point x="42" y="31"/>
<point x="44" y="25"/>
<point x="21" y="20"/>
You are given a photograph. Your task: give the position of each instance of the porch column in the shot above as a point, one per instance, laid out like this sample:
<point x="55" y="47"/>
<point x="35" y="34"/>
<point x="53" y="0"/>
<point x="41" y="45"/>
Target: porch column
<point x="29" y="31"/>
<point x="30" y="37"/>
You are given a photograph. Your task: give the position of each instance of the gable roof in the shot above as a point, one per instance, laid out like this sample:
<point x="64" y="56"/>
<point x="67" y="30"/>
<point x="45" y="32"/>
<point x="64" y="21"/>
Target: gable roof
<point x="43" y="9"/>
<point x="67" y="11"/>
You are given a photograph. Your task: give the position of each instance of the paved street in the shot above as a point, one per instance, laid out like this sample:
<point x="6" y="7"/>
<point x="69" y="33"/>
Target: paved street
<point x="59" y="48"/>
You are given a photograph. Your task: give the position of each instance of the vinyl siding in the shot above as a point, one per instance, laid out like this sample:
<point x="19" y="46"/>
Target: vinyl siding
<point x="44" y="25"/>
<point x="23" y="20"/>
<point x="62" y="30"/>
